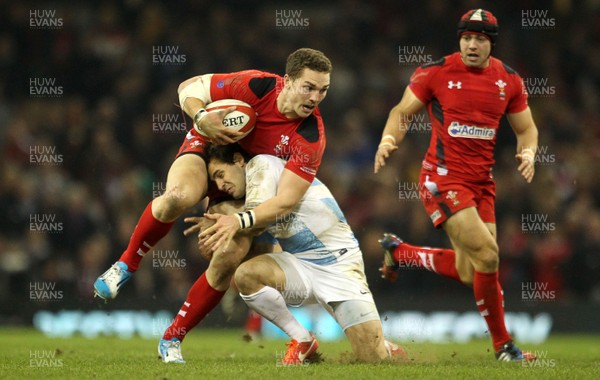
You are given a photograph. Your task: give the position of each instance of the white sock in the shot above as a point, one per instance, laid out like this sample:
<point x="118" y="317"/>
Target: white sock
<point x="269" y="303"/>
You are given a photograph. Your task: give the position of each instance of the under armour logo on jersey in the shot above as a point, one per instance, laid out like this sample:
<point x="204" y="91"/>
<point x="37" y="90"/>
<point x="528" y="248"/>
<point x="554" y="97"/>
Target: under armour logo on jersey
<point x="452" y="85"/>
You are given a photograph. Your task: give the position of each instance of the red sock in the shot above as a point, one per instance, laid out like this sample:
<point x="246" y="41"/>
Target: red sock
<point x="201" y="299"/>
<point x="490" y="301"/>
<point x="253" y="323"/>
<point x="146" y="234"/>
<point x="438" y="260"/>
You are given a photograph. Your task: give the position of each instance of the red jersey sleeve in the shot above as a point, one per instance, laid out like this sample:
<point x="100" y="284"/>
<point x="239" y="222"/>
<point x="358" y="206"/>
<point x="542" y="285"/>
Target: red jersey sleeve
<point x="518" y="100"/>
<point x="235" y="86"/>
<point x="306" y="158"/>
<point x="420" y="82"/>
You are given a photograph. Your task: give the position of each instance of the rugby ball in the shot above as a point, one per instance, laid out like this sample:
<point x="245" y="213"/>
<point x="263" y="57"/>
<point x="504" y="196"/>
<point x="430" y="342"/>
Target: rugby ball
<point x="242" y="119"/>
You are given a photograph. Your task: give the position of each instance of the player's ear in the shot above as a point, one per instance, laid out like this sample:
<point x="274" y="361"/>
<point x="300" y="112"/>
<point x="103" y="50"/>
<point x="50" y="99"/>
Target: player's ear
<point x="238" y="159"/>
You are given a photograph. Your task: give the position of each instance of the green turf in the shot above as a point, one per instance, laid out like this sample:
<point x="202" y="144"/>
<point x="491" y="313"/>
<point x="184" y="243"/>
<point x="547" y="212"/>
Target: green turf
<point x="222" y="354"/>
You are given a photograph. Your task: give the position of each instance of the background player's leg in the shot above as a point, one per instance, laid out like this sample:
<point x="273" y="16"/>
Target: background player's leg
<point x="438" y="260"/>
<point x="473" y="239"/>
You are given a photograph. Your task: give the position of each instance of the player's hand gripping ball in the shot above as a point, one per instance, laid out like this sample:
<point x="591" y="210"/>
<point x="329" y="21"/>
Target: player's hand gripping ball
<point x="242" y="119"/>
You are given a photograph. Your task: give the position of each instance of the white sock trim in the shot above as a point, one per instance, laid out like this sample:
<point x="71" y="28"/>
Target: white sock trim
<point x="253" y="296"/>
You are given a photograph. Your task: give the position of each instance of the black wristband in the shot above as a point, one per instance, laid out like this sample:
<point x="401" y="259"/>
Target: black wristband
<point x="198" y="116"/>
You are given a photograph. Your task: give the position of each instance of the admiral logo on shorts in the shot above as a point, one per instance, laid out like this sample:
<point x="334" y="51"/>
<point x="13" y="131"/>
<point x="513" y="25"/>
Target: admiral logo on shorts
<point x="455" y="129"/>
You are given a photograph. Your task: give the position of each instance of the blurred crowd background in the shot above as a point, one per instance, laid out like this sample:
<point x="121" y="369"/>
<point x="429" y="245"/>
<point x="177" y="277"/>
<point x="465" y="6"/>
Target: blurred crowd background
<point x="105" y="128"/>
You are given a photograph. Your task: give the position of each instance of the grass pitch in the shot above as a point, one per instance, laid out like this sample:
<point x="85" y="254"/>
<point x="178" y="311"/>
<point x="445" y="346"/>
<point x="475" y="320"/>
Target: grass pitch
<point x="223" y="354"/>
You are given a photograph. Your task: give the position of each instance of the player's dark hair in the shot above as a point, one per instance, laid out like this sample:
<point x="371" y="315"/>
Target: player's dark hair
<point x="306" y="58"/>
<point x="224" y="153"/>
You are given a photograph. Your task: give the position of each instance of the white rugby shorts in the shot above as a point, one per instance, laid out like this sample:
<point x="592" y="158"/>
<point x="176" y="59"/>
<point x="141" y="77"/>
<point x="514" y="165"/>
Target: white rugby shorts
<point x="341" y="287"/>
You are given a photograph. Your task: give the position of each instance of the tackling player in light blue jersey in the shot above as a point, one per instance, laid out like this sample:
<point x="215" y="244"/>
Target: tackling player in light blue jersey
<point x="321" y="260"/>
<point x="316" y="230"/>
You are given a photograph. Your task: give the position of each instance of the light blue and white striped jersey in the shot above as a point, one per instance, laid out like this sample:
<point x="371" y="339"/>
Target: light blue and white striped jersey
<point x="316" y="230"/>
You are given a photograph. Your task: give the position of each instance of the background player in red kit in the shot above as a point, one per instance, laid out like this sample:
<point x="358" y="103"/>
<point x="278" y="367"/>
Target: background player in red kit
<point x="289" y="125"/>
<point x="466" y="94"/>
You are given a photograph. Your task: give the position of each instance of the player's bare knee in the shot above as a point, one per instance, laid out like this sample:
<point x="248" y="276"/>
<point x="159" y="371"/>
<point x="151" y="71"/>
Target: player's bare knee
<point x="219" y="275"/>
<point x="174" y="202"/>
<point x="487" y="258"/>
<point x="493" y="263"/>
<point x="245" y="278"/>
<point x="492" y="259"/>
<point x="465" y="273"/>
<point x="466" y="279"/>
<point x="224" y="263"/>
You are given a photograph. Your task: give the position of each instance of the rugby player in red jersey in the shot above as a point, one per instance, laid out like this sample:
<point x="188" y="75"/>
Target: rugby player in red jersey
<point x="466" y="94"/>
<point x="289" y="125"/>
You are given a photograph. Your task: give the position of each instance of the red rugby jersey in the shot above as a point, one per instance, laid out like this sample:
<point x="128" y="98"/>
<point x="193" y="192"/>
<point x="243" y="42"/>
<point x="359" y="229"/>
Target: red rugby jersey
<point x="465" y="106"/>
<point x="299" y="141"/>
